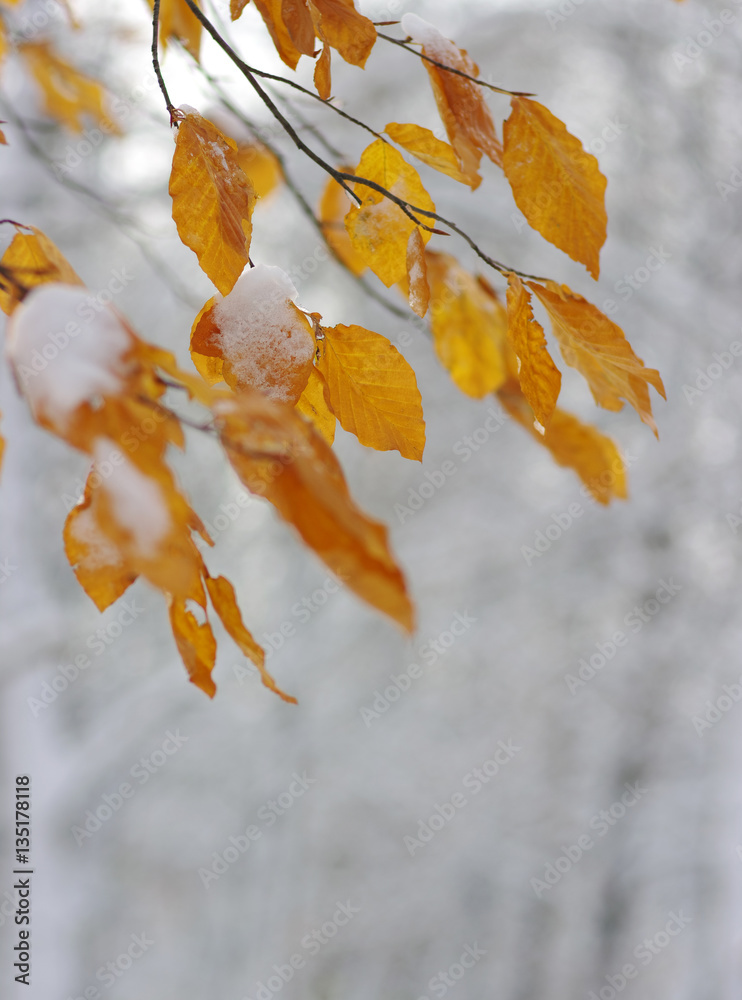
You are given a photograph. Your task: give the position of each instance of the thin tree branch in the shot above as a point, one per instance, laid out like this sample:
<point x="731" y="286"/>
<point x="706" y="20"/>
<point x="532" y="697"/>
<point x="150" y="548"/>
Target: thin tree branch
<point x="156" y="60"/>
<point x="450" y="69"/>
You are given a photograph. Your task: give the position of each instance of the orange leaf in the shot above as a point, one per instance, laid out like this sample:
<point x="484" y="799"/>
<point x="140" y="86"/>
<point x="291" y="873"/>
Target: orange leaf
<point x="578" y="446"/>
<point x="379" y="230"/>
<point x="417" y="274"/>
<point x="68" y="94"/>
<point x="213" y="200"/>
<point x="372" y="390"/>
<point x="3" y="140"/>
<point x="32" y="259"/>
<point x="469" y="327"/>
<point x="196" y="645"/>
<point x="236" y="7"/>
<point x="178" y="21"/>
<point x="597" y="348"/>
<point x="439" y="155"/>
<point x="258" y="334"/>
<point x="223" y="598"/>
<point x="271" y="12"/>
<point x="539" y="377"/>
<point x="298" y="20"/>
<point x="347" y="31"/>
<point x="333" y="208"/>
<point x="278" y="455"/>
<point x="461" y="103"/>
<point x="323" y="74"/>
<point x="313" y="405"/>
<point x="556" y="184"/>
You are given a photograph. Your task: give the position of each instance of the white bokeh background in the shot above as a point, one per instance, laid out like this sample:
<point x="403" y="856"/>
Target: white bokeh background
<point x="602" y="65"/>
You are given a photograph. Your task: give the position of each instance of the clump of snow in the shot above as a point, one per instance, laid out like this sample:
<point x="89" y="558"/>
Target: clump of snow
<point x="65" y="349"/>
<point x="138" y="503"/>
<point x="435" y="44"/>
<point x="261" y="335"/>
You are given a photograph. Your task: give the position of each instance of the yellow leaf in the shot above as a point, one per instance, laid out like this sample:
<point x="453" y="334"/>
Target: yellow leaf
<point x="279" y="456"/>
<point x="323" y="74"/>
<point x="578" y="446"/>
<point x="469" y="327"/>
<point x="379" y="230"/>
<point x="556" y="184"/>
<point x="332" y="210"/>
<point x="213" y="200"/>
<point x="313" y="405"/>
<point x="372" y="390"/>
<point x="539" y="377"/>
<point x="597" y="348"/>
<point x="3" y="42"/>
<point x="439" y="155"/>
<point x="260" y="166"/>
<point x="225" y="604"/>
<point x="261" y="338"/>
<point x="196" y="645"/>
<point x="69" y="96"/>
<point x="271" y="12"/>
<point x="178" y="21"/>
<point x="100" y="567"/>
<point x="347" y="31"/>
<point x="3" y="140"/>
<point x="32" y="259"/>
<point x="417" y="274"/>
<point x="461" y="103"/>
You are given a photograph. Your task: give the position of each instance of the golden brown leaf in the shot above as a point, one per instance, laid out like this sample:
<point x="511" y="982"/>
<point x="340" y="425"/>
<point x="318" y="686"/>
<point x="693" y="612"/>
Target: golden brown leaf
<point x="372" y="390"/>
<point x="32" y="259"/>
<point x="178" y="21"/>
<point x="213" y="200"/>
<point x="469" y="327"/>
<point x="270" y="11"/>
<point x="69" y="96"/>
<point x="578" y="446"/>
<point x="539" y="377"/>
<point x="417" y="274"/>
<point x="556" y="184"/>
<point x="379" y="230"/>
<point x="333" y="208"/>
<point x="196" y="645"/>
<point x="260" y="166"/>
<point x="261" y="338"/>
<point x="313" y="405"/>
<point x="225" y="604"/>
<point x="439" y="155"/>
<point x="597" y="348"/>
<point x="236" y="7"/>
<point x="298" y="20"/>
<point x="461" y="103"/>
<point x="347" y="31"/>
<point x="279" y="456"/>
<point x="323" y="73"/>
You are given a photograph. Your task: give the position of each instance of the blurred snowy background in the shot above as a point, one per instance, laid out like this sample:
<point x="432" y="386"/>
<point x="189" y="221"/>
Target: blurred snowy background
<point x="653" y="88"/>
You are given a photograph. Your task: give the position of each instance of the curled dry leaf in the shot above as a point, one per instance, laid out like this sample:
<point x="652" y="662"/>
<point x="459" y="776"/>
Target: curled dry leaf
<point x="372" y="390"/>
<point x="539" y="377"/>
<point x="417" y="274"/>
<point x="213" y="200"/>
<point x="461" y="103"/>
<point x="556" y="184"/>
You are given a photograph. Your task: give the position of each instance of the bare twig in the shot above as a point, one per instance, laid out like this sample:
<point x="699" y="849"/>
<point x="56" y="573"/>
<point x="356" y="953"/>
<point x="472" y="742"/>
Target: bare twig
<point x="156" y="60"/>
